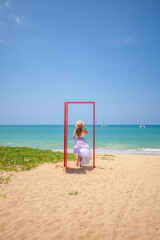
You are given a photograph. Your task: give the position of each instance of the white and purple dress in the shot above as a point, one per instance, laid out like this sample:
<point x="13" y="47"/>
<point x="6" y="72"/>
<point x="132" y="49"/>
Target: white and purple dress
<point x="81" y="148"/>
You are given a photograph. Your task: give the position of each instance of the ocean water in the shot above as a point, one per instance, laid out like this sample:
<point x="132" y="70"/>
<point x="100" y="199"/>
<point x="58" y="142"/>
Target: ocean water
<point x="112" y="139"/>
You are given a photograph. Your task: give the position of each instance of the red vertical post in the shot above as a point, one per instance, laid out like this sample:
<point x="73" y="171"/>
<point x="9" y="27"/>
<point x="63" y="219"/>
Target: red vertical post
<point x="65" y="134"/>
<point x="93" y="134"/>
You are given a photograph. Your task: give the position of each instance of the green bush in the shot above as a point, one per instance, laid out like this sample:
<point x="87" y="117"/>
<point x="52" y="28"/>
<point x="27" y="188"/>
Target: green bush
<point x="25" y="158"/>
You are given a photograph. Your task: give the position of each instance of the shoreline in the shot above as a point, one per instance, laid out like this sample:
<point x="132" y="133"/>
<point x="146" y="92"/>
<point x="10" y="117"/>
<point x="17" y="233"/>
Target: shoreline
<point x="139" y="151"/>
<point x="120" y="151"/>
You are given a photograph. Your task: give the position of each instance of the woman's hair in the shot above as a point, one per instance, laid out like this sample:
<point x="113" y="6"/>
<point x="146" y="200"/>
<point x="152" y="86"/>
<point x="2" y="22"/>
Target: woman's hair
<point x="79" y="127"/>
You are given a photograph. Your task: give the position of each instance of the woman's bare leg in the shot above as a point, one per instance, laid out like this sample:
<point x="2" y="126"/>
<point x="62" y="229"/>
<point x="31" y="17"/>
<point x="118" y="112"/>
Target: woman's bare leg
<point x="80" y="161"/>
<point x="77" y="160"/>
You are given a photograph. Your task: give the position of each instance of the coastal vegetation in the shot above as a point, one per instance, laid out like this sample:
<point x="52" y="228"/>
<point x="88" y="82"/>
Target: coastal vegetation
<point x="25" y="158"/>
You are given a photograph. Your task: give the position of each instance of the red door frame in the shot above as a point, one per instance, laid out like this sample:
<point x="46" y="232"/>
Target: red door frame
<point x="66" y="130"/>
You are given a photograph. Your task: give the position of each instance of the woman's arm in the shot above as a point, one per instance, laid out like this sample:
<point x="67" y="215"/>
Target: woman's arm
<point x="74" y="134"/>
<point x="85" y="130"/>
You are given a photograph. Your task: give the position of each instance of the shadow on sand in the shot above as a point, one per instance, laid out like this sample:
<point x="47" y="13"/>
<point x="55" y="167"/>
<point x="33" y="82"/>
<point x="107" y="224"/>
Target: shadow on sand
<point x="79" y="170"/>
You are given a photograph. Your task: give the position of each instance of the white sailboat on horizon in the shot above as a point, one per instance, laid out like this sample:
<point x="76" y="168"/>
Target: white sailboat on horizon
<point x="103" y="125"/>
<point x="142" y="126"/>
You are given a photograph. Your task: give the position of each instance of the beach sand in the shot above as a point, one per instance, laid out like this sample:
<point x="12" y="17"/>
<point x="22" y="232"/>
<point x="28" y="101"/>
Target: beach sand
<point x="119" y="199"/>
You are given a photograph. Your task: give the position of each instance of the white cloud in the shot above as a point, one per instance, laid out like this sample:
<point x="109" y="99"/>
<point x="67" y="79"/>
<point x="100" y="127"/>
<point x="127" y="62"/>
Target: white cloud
<point x="17" y="19"/>
<point x="1" y="41"/>
<point x="125" y="41"/>
<point x="7" y="10"/>
<point x="7" y="4"/>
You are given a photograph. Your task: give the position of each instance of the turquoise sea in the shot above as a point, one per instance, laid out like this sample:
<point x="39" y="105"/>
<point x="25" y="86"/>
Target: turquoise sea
<point x="112" y="139"/>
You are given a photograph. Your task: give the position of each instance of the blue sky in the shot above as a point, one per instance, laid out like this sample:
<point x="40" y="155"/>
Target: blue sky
<point x="105" y="51"/>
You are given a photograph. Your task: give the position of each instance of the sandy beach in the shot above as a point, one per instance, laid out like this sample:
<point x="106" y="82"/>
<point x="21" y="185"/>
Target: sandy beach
<point x="119" y="199"/>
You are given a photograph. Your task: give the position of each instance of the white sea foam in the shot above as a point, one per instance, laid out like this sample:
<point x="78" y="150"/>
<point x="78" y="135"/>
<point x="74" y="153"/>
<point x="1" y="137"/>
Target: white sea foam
<point x="151" y="149"/>
<point x="143" y="151"/>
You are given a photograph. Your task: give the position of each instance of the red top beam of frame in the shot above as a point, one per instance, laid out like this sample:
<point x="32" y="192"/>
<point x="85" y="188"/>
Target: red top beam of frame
<point x="66" y="127"/>
<point x="81" y="102"/>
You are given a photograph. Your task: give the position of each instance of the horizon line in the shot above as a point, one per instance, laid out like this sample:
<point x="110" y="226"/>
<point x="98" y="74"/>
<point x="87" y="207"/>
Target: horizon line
<point x="74" y="124"/>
